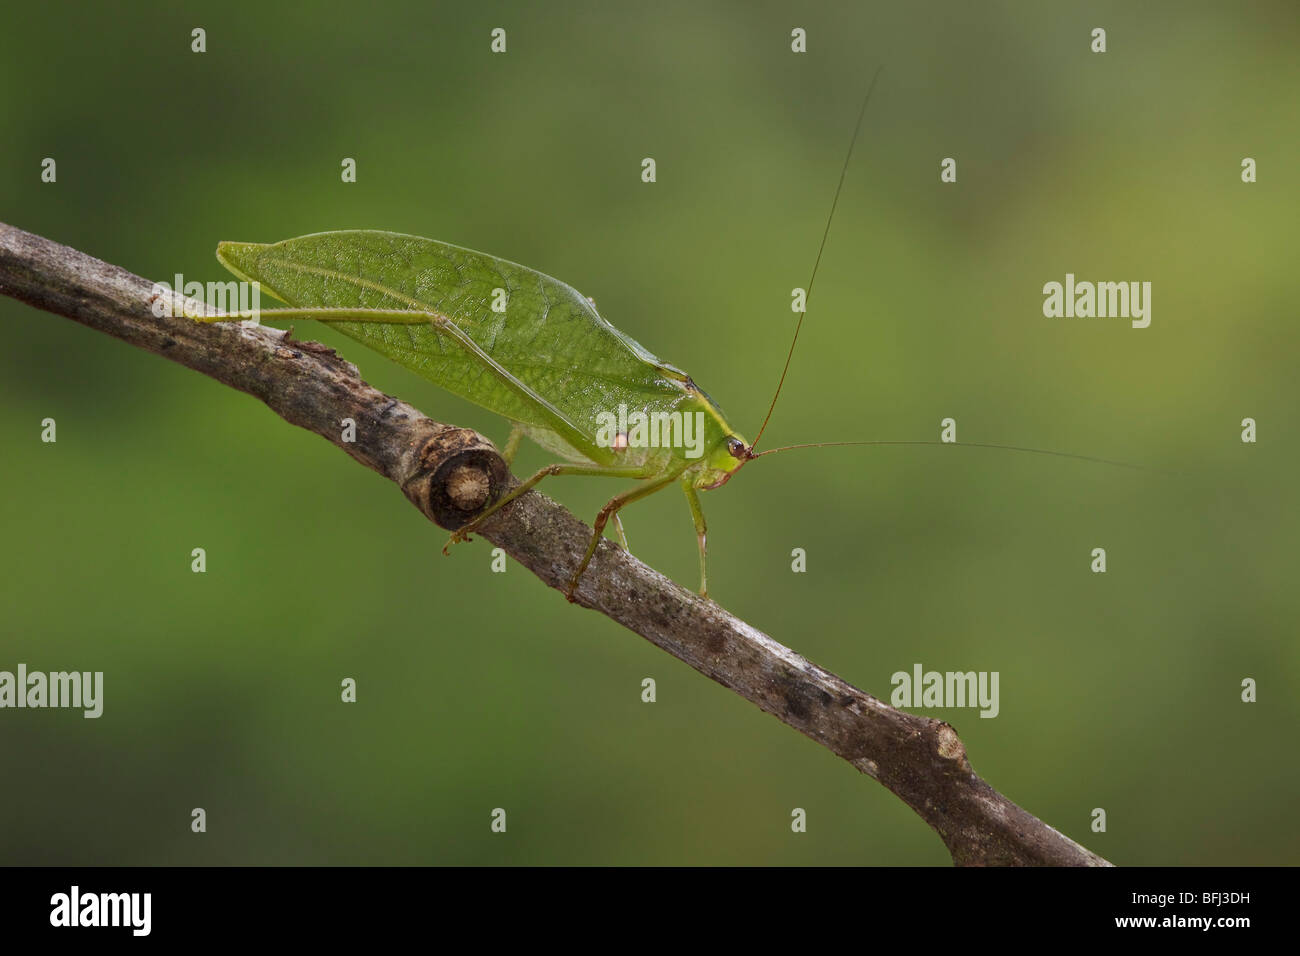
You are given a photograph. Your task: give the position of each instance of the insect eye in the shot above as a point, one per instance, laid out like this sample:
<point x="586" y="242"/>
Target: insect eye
<point x="736" y="448"/>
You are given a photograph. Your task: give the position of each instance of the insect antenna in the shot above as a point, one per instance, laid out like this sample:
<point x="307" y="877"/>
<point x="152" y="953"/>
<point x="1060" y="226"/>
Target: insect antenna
<point x="750" y="453"/>
<point x="822" y="248"/>
<point x="966" y="444"/>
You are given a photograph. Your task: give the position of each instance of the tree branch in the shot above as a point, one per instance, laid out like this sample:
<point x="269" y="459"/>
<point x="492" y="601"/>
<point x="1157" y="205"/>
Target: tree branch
<point x="450" y="473"/>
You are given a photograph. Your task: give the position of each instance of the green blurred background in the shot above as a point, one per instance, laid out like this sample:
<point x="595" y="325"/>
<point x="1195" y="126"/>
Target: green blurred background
<point x="481" y="690"/>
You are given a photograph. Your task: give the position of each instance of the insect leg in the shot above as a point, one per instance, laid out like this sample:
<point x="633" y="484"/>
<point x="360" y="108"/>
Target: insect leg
<point x="512" y="443"/>
<point x="549" y="416"/>
<point x="611" y="507"/>
<point x="390" y="316"/>
<point x="559" y="468"/>
<point x="622" y="535"/>
<point x="701" y="532"/>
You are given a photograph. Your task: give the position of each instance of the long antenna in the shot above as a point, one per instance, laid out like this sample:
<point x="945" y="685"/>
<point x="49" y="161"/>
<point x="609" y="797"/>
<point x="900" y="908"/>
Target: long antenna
<point x="826" y="232"/>
<point x="967" y="444"/>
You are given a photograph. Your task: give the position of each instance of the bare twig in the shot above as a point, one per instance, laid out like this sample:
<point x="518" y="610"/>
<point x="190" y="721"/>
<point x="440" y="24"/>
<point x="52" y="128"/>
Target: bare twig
<point x="449" y="473"/>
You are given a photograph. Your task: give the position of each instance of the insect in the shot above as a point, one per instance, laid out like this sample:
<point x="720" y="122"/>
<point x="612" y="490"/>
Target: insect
<point x="527" y="347"/>
<point x="549" y="363"/>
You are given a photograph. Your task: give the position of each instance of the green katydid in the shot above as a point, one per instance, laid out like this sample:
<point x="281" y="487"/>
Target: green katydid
<point x="549" y="363"/>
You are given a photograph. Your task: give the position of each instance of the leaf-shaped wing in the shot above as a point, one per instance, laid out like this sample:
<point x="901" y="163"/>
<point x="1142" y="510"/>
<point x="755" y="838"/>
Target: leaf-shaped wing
<point x="549" y="337"/>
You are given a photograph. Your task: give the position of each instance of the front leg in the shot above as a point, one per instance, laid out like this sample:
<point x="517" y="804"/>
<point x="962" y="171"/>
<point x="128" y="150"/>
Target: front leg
<point x="701" y="532"/>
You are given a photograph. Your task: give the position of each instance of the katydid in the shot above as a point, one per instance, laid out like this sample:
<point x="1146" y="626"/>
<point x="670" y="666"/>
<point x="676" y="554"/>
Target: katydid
<point x="525" y="346"/>
<point x="549" y="363"/>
